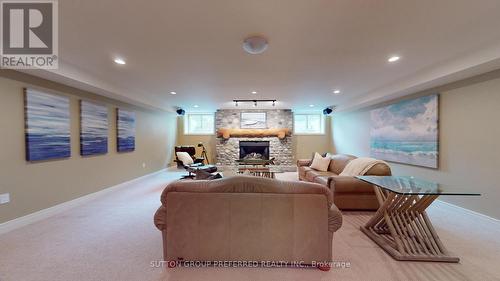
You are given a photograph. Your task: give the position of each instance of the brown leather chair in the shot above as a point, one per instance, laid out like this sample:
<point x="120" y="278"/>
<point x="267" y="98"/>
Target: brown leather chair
<point x="191" y="150"/>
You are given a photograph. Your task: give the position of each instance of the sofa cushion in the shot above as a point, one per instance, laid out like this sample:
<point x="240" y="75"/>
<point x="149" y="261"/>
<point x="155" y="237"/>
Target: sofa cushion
<point x="320" y="163"/>
<point x="346" y="184"/>
<point x="323" y="180"/>
<point x="339" y="162"/>
<point x="310" y="175"/>
<point x="246" y="184"/>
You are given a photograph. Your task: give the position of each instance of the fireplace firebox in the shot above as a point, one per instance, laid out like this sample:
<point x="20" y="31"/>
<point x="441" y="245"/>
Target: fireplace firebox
<point x="254" y="150"/>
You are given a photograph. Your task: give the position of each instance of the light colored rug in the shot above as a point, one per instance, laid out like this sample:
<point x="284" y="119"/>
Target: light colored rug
<point x="113" y="238"/>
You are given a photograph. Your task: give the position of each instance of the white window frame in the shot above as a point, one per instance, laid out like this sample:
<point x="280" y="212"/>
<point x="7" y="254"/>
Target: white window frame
<point x="322" y="124"/>
<point x="186" y="125"/>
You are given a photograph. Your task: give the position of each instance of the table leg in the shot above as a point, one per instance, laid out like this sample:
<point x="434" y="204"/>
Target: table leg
<point x="402" y="228"/>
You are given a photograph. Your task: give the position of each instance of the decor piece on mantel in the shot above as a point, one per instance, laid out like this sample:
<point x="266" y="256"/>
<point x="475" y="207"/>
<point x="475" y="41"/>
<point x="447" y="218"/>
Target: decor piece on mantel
<point x="126" y="130"/>
<point x="280" y="133"/>
<point x="253" y="120"/>
<point x="93" y="128"/>
<point x="47" y="124"/>
<point x="407" y="132"/>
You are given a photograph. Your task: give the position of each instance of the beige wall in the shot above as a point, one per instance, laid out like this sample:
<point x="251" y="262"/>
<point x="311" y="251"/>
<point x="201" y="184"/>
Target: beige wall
<point x="469" y="141"/>
<point x="303" y="145"/>
<point x="36" y="186"/>
<point x="208" y="140"/>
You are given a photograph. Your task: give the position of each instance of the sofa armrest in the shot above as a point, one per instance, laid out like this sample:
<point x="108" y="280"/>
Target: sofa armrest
<point x="348" y="184"/>
<point x="160" y="218"/>
<point x="334" y="219"/>
<point x="303" y="162"/>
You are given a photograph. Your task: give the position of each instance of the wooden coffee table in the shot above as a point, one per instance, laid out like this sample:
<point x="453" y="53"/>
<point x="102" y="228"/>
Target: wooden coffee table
<point x="401" y="226"/>
<point x="265" y="172"/>
<point x="268" y="171"/>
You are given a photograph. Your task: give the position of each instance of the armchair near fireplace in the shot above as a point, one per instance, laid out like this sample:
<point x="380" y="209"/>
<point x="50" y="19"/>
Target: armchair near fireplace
<point x="191" y="150"/>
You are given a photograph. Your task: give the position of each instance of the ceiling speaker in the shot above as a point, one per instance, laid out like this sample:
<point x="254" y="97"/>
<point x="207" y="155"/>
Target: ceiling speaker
<point x="327" y="111"/>
<point x="180" y="111"/>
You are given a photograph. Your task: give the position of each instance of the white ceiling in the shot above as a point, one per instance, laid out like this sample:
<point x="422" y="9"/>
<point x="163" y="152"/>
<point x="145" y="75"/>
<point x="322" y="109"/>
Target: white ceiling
<point x="193" y="47"/>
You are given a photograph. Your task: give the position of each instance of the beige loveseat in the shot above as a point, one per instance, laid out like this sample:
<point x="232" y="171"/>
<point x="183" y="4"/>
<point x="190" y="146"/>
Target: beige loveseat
<point x="245" y="218"/>
<point x="349" y="193"/>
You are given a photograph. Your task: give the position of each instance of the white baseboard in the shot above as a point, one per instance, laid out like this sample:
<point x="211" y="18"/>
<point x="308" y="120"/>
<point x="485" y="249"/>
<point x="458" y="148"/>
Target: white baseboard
<point x="59" y="208"/>
<point x="470" y="212"/>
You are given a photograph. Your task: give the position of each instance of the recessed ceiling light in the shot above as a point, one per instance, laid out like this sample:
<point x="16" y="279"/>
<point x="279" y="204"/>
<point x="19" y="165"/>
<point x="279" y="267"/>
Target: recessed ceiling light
<point x="173" y="93"/>
<point x="119" y="61"/>
<point x="336" y="92"/>
<point x="311" y="105"/>
<point x="393" y="59"/>
<point x="254" y="92"/>
<point x="255" y="45"/>
<point x="196" y="106"/>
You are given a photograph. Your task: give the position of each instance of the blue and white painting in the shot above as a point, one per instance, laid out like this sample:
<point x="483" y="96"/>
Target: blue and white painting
<point x="253" y="120"/>
<point x="47" y="124"/>
<point x="93" y="128"/>
<point x="126" y="130"/>
<point x="407" y="132"/>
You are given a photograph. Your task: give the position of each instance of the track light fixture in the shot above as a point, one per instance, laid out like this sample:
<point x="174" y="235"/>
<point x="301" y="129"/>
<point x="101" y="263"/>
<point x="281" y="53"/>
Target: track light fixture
<point x="255" y="102"/>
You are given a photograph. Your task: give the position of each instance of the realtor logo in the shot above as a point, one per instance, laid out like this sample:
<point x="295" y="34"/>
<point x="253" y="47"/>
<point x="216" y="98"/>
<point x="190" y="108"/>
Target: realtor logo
<point x="29" y="32"/>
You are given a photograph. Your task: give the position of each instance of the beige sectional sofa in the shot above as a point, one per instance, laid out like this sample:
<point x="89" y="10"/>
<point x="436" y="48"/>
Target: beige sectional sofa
<point x="244" y="218"/>
<point x="349" y="193"/>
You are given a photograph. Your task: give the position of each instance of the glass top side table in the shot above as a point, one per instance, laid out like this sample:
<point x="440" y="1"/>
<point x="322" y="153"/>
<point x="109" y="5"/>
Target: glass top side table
<point x="401" y="226"/>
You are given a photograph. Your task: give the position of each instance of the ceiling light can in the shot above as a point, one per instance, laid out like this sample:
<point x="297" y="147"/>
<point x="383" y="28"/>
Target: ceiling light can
<point x="393" y="59"/>
<point x="255" y="45"/>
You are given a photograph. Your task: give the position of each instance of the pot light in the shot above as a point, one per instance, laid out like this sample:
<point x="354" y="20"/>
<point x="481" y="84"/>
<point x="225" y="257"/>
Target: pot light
<point x="173" y="93"/>
<point x="255" y="45"/>
<point x="196" y="106"/>
<point x="337" y="92"/>
<point x="254" y="92"/>
<point x="311" y="105"/>
<point x="119" y="61"/>
<point x="393" y="59"/>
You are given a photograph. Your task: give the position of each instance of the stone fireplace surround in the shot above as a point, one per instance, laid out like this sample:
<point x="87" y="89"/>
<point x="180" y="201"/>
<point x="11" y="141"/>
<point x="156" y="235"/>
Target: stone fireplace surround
<point x="228" y="151"/>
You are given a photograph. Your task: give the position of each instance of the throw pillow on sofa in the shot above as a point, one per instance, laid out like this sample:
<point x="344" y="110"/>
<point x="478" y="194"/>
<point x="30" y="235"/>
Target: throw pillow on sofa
<point x="320" y="163"/>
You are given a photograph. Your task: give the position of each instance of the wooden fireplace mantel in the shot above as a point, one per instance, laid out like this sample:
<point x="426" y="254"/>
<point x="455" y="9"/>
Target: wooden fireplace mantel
<point x="227" y="133"/>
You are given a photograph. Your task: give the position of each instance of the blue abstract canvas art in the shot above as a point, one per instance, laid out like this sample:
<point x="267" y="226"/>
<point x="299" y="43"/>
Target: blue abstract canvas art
<point x="407" y="132"/>
<point x="93" y="128"/>
<point x="47" y="124"/>
<point x="126" y="130"/>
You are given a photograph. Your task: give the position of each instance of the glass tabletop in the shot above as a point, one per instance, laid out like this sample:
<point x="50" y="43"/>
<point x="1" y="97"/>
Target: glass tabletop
<point x="408" y="185"/>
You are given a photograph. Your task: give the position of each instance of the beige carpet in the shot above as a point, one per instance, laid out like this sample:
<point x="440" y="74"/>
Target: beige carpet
<point x="113" y="238"/>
